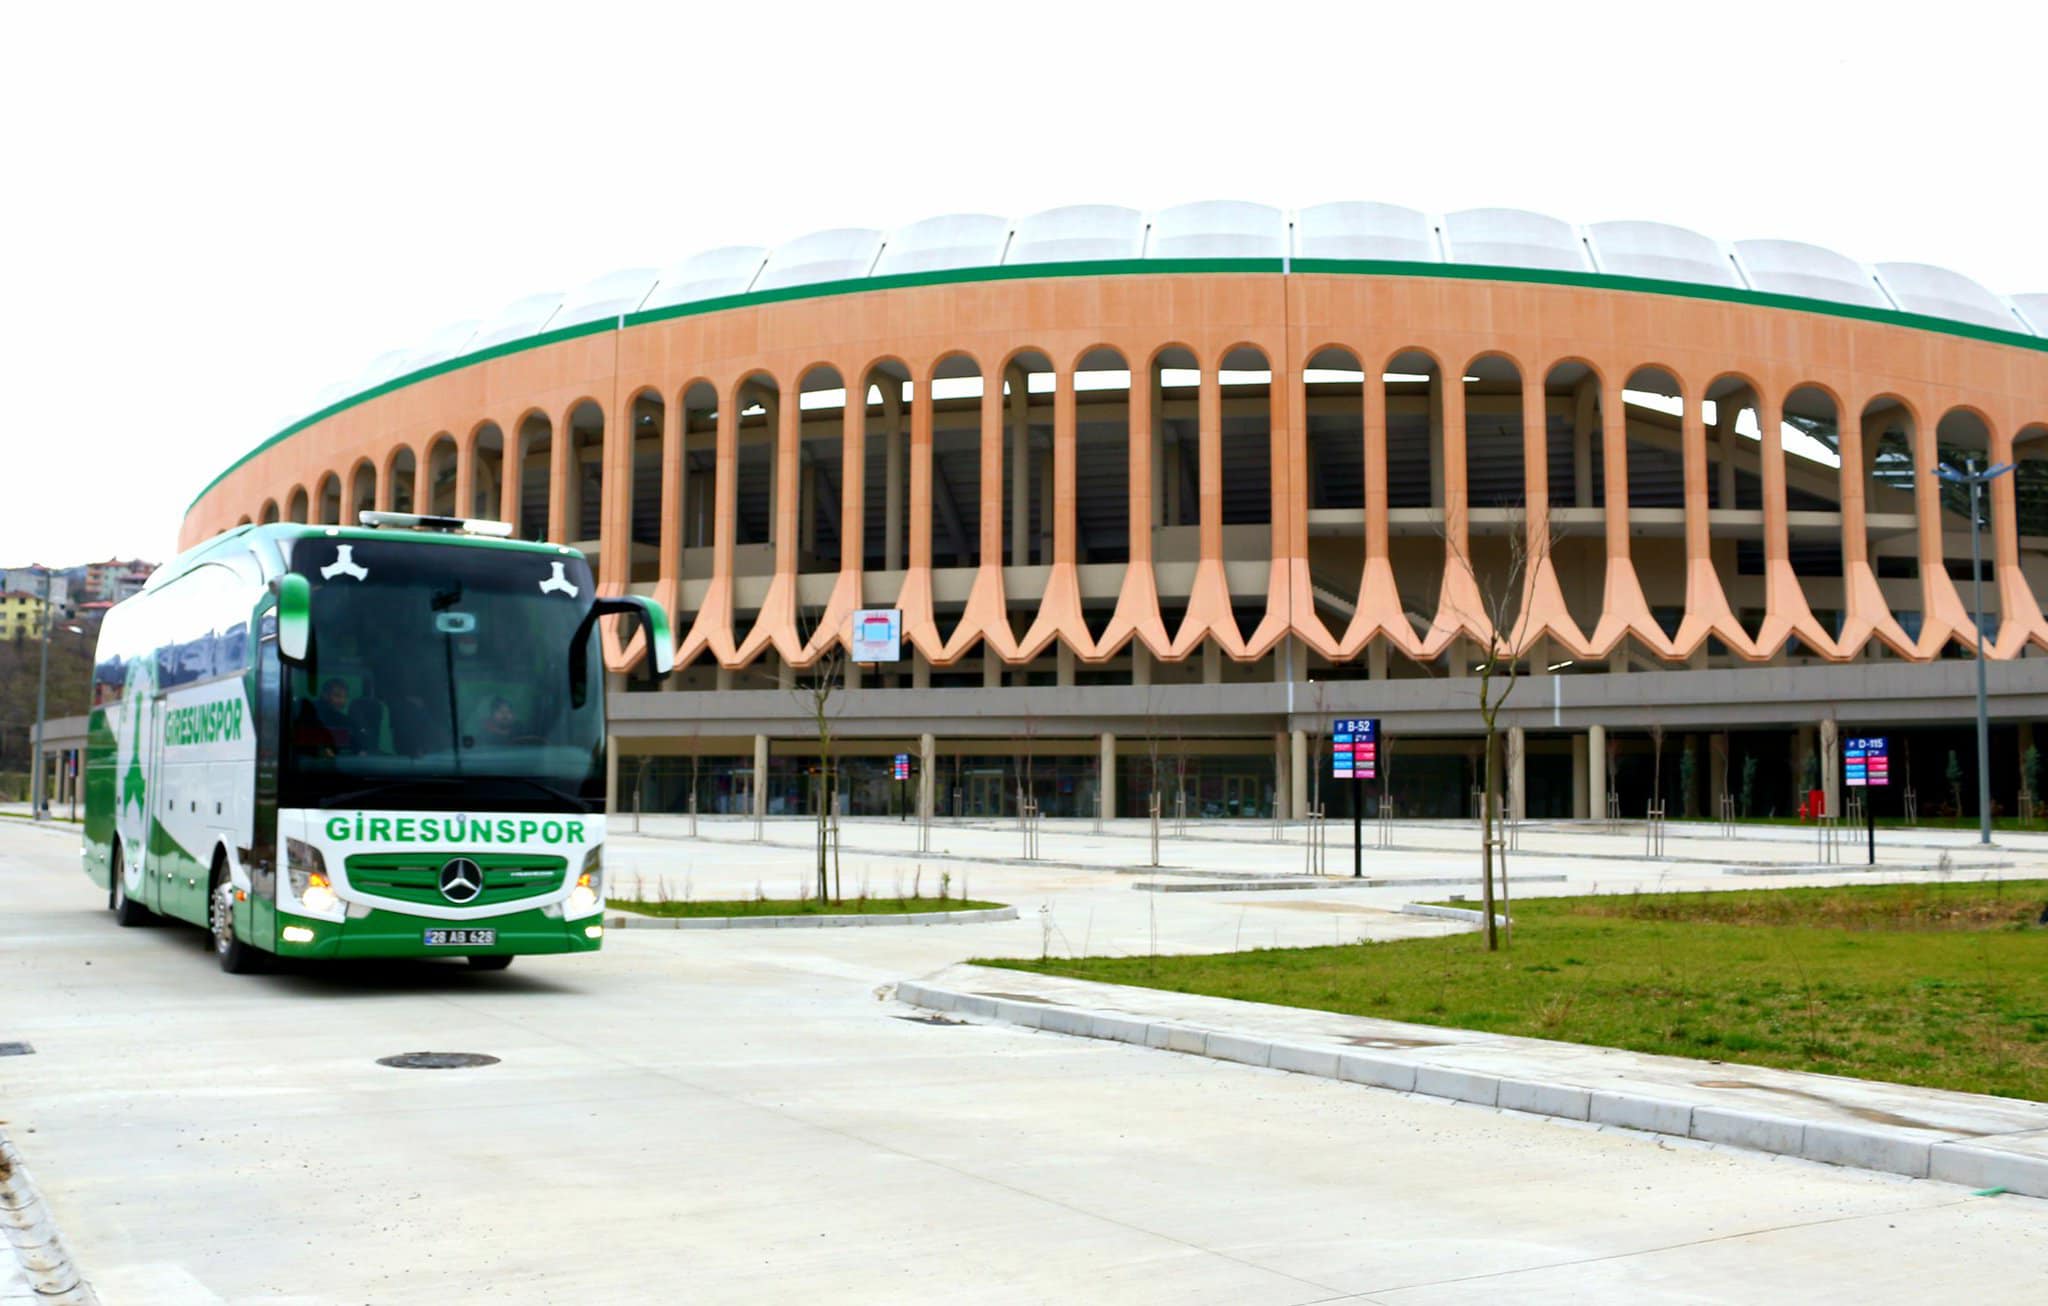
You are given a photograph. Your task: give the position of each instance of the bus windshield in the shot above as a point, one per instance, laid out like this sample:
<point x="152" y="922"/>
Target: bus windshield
<point x="439" y="679"/>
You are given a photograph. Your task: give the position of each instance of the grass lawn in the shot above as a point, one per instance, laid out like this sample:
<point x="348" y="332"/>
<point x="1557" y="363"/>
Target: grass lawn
<point x="800" y="906"/>
<point x="1944" y="985"/>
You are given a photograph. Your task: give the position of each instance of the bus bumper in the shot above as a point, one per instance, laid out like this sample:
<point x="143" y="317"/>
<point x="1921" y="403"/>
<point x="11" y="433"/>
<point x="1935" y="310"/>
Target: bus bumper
<point x="397" y="934"/>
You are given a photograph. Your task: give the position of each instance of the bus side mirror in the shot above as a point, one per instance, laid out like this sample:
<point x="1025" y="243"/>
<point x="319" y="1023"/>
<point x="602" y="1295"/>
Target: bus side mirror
<point x="660" y="643"/>
<point x="294" y="617"/>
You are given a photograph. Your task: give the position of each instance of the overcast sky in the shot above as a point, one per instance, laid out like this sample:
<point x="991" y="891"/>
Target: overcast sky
<point x="214" y="213"/>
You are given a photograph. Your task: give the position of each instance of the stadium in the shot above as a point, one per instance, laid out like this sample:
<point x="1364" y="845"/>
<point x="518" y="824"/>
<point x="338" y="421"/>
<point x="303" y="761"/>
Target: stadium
<point x="1158" y="495"/>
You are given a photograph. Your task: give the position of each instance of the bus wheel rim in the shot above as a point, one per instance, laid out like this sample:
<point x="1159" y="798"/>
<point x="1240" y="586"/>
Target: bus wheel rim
<point x="223" y="922"/>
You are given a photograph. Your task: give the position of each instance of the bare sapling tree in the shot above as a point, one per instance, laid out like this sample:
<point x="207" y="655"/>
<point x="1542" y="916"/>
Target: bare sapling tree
<point x="814" y="687"/>
<point x="1503" y="597"/>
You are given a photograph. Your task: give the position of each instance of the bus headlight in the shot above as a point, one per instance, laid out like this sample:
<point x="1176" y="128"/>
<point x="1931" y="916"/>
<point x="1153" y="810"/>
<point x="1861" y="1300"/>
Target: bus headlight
<point x="306" y="871"/>
<point x="589" y="890"/>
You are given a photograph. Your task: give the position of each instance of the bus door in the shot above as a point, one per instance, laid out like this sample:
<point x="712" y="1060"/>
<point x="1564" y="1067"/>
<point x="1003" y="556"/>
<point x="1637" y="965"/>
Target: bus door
<point x="156" y="862"/>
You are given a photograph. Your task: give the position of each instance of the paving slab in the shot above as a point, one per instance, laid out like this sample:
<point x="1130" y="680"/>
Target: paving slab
<point x="1965" y="1138"/>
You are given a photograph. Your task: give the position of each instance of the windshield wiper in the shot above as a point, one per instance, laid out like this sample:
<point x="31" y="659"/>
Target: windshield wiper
<point x="350" y="798"/>
<point x="563" y="794"/>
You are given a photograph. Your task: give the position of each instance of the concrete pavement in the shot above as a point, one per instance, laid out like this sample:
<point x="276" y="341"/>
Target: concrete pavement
<point x="736" y="1116"/>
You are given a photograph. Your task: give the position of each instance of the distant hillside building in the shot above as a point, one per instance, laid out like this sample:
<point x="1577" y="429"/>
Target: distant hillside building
<point x="21" y="614"/>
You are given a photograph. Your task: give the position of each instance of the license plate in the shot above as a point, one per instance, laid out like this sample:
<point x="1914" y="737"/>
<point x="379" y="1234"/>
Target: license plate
<point x="461" y="938"/>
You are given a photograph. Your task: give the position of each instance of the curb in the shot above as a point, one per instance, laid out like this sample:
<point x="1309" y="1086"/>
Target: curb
<point x="38" y="1247"/>
<point x="633" y="921"/>
<point x="1279" y="883"/>
<point x="1974" y="1162"/>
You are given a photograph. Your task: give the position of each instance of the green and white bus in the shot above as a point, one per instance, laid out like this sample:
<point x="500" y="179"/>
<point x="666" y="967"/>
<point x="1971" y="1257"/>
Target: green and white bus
<point x="385" y="740"/>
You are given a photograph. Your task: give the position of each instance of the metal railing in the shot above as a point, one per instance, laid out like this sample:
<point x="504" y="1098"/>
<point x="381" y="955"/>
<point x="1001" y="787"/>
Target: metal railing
<point x="1653" y="829"/>
<point x="1316" y="845"/>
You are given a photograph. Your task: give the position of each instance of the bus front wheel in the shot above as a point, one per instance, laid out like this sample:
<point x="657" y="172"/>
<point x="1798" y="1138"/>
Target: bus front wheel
<point x="128" y="913"/>
<point x="235" y="956"/>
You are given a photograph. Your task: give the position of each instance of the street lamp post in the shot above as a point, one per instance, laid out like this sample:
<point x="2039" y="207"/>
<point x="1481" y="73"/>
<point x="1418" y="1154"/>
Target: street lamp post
<point x="35" y="751"/>
<point x="1977" y="480"/>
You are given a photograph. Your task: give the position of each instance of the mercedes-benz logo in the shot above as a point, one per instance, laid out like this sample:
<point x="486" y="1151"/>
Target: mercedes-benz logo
<point x="461" y="880"/>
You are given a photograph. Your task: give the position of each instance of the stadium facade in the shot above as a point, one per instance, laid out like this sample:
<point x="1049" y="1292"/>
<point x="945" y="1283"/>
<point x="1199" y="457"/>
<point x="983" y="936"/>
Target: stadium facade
<point x="1158" y="495"/>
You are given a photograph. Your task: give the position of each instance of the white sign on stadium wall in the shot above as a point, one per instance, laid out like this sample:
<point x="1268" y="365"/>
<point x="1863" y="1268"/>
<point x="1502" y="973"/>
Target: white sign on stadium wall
<point x="878" y="635"/>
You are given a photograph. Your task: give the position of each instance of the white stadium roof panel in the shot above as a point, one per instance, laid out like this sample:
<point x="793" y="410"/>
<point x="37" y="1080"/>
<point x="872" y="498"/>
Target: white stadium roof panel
<point x="957" y="240"/>
<point x="1662" y="251"/>
<point x="1359" y="230"/>
<point x="451" y="341"/>
<point x="611" y="295"/>
<point x="1938" y="292"/>
<point x="1078" y="233"/>
<point x="1789" y="267"/>
<point x="1363" y="231"/>
<point x="1218" y="229"/>
<point x="2034" y="308"/>
<point x="1514" y="238"/>
<point x="727" y="270"/>
<point x="840" y="254"/>
<point x="517" y="320"/>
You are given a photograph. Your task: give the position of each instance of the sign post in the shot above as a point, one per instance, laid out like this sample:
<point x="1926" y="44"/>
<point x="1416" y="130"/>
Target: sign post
<point x="1355" y="756"/>
<point x="902" y="774"/>
<point x="1866" y="765"/>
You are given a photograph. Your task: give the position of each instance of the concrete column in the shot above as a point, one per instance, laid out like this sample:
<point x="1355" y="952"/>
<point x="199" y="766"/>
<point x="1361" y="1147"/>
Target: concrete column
<point x="1105" y="777"/>
<point x="892" y="474"/>
<point x="1596" y="770"/>
<point x="991" y="668"/>
<point x="1717" y="774"/>
<point x="1518" y="773"/>
<point x="927" y="774"/>
<point x="920" y="671"/>
<point x="851" y="676"/>
<point x="785" y="675"/>
<point x="1050" y="501"/>
<point x="1212" y="663"/>
<point x="1803" y="745"/>
<point x="807" y="509"/>
<point x="611" y="774"/>
<point x="2022" y="744"/>
<point x="1065" y="662"/>
<point x="1019" y="426"/>
<point x="1376" y="659"/>
<point x="1283" y="777"/>
<point x="1141" y="665"/>
<point x="760" y="775"/>
<point x="773" y="427"/>
<point x="1436" y="440"/>
<point x="1724" y="451"/>
<point x="1830" y="766"/>
<point x="1297" y="744"/>
<point x="1582" y="442"/>
<point x="1581" y="807"/>
<point x="723" y="679"/>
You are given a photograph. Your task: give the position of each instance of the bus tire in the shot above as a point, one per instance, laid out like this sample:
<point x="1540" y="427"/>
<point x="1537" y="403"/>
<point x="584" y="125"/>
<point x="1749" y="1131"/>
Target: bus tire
<point x="128" y="913"/>
<point x="489" y="960"/>
<point x="235" y="956"/>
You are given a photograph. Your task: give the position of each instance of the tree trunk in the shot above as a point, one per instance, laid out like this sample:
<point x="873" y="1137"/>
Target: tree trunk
<point x="1486" y="843"/>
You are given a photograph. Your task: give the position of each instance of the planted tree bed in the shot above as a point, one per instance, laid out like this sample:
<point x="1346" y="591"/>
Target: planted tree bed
<point x="1944" y="985"/>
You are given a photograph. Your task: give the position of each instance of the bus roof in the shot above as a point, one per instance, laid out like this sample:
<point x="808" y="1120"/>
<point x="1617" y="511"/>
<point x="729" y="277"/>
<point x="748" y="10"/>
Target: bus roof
<point x="265" y="542"/>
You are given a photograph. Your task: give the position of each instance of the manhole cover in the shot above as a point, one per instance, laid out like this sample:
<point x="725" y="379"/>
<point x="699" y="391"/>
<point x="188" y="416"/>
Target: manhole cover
<point x="15" y="1050"/>
<point x="932" y="1020"/>
<point x="437" y="1060"/>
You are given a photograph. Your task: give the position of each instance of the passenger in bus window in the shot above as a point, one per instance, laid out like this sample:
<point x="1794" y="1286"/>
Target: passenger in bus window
<point x="499" y="723"/>
<point x="326" y="725"/>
